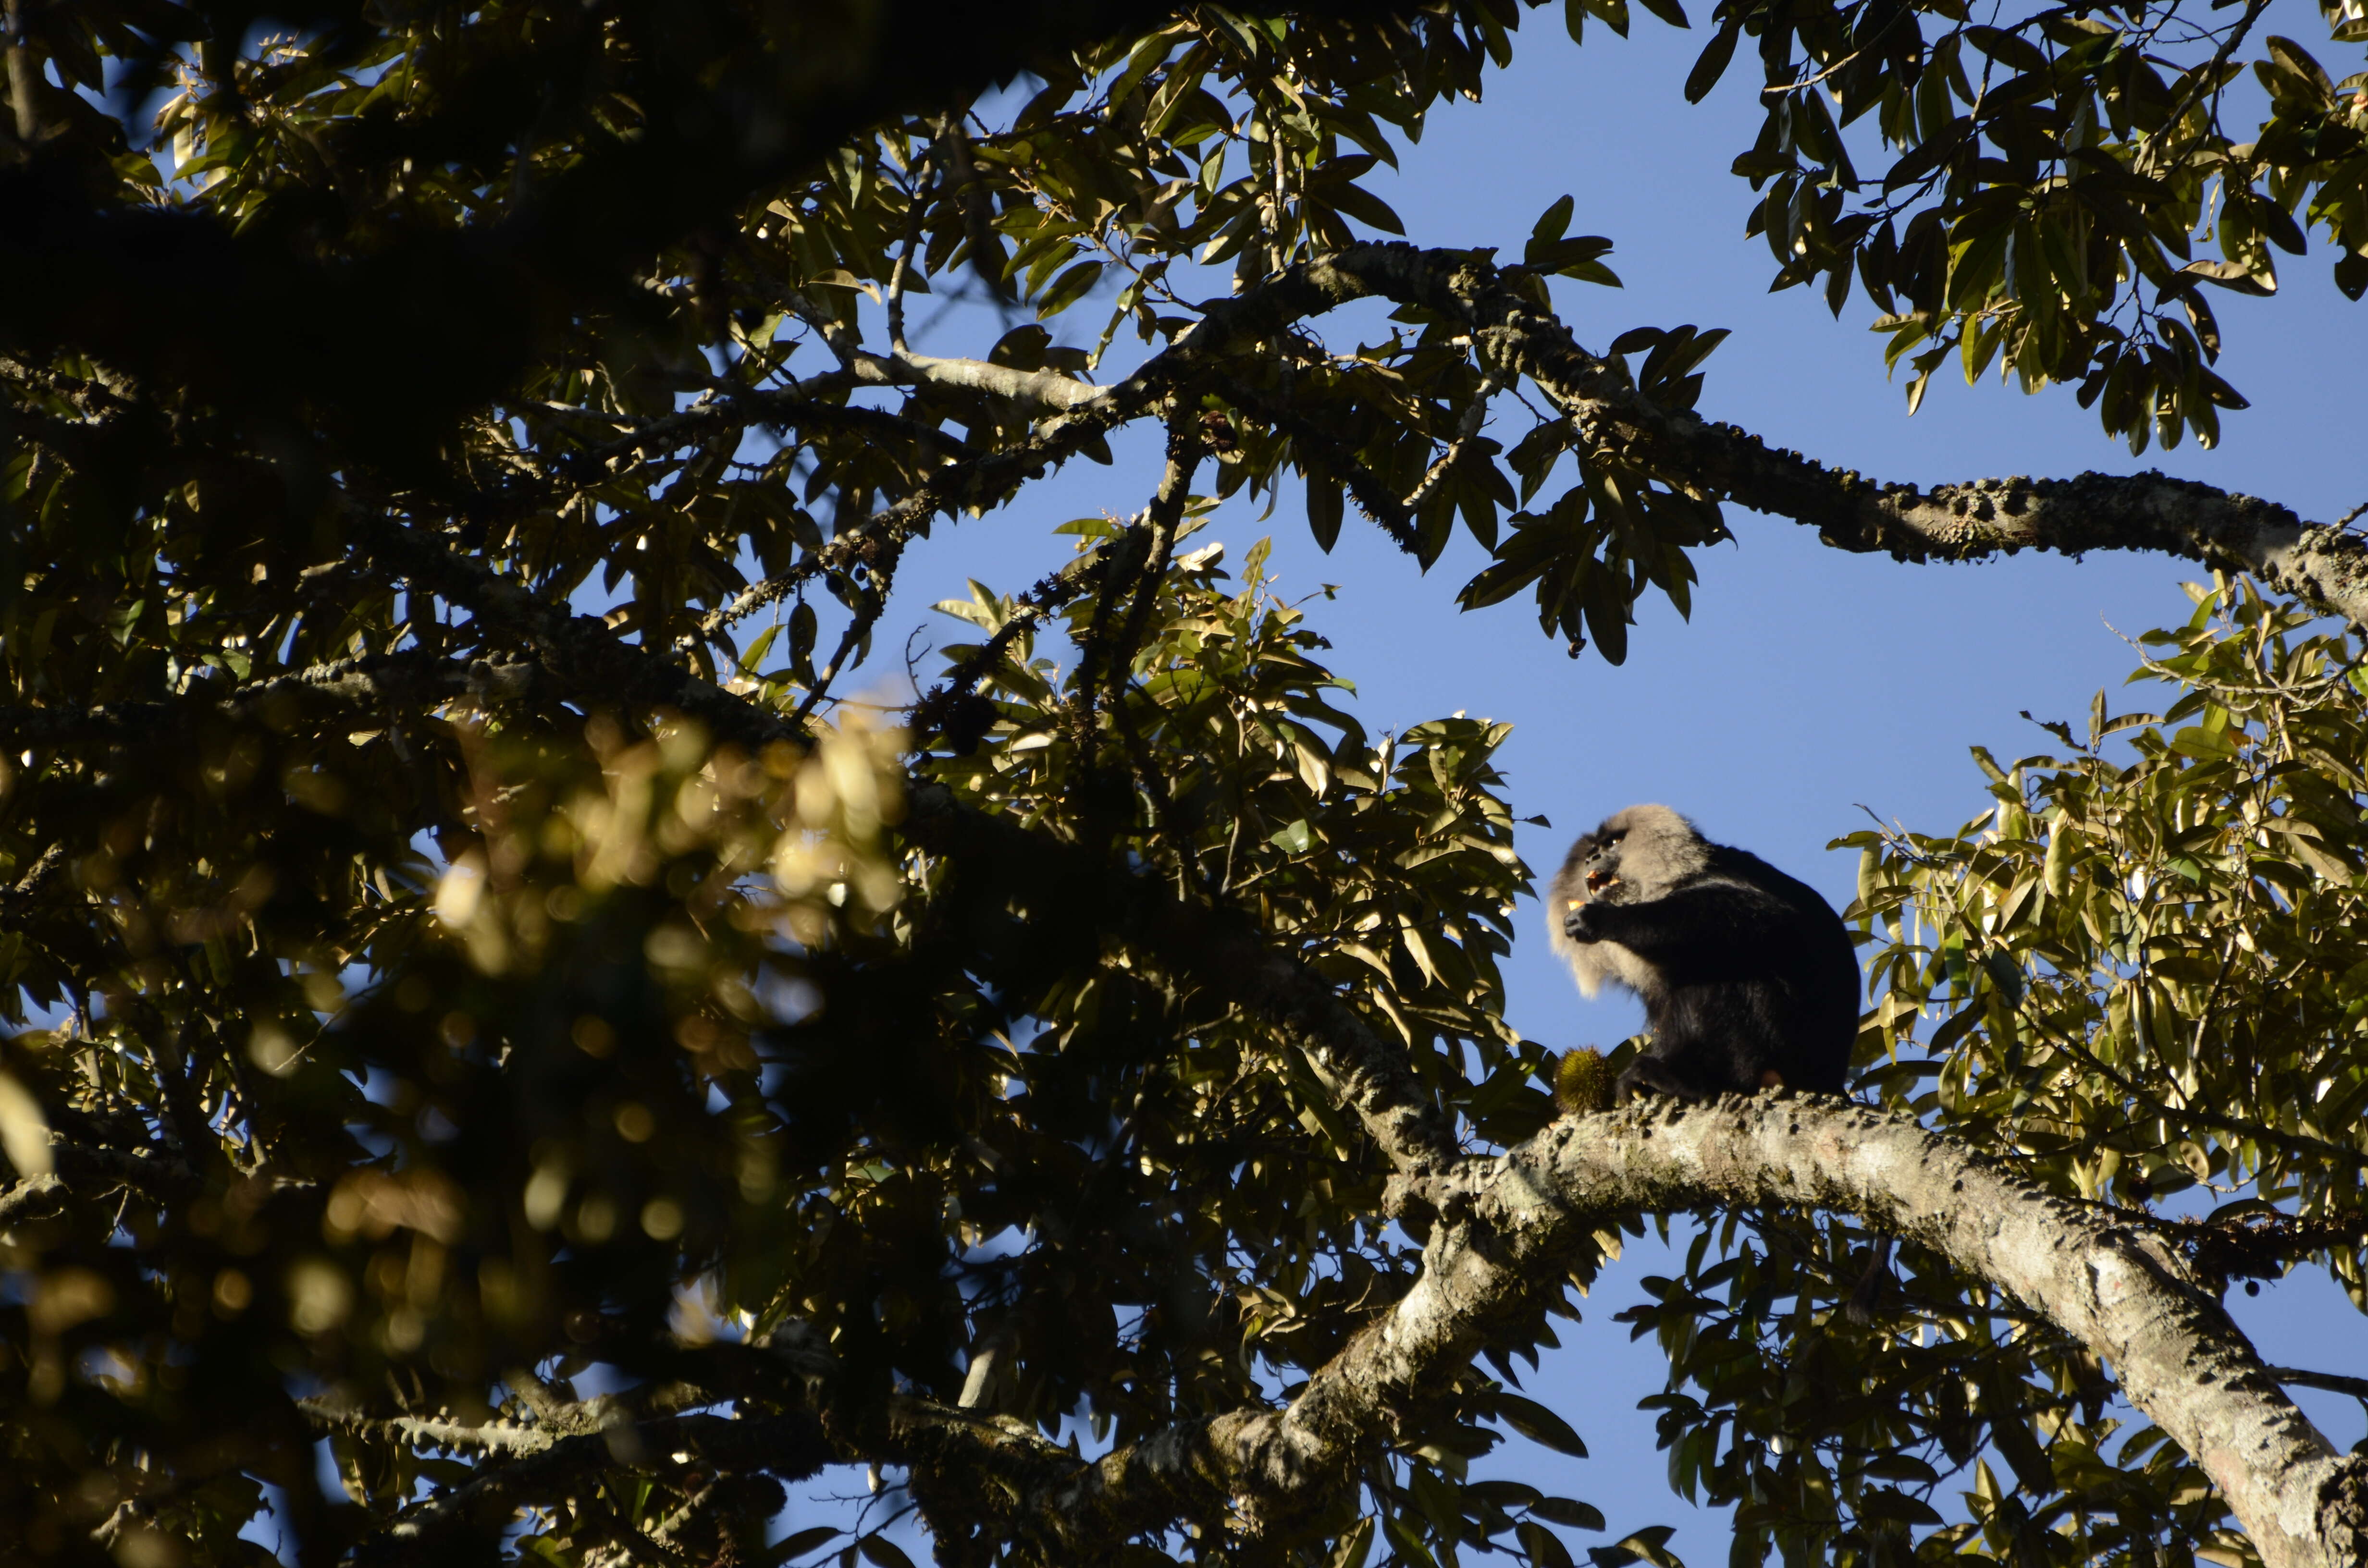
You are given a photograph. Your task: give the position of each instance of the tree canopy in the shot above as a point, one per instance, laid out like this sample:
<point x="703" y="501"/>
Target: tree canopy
<point x="485" y="995"/>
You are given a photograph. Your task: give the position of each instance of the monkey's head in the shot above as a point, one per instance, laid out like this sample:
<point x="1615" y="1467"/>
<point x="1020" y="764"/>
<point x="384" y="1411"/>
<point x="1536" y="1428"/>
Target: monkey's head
<point x="1636" y="855"/>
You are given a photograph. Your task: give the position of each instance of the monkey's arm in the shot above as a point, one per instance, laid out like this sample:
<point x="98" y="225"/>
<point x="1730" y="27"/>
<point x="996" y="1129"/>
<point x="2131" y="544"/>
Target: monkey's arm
<point x="1715" y="918"/>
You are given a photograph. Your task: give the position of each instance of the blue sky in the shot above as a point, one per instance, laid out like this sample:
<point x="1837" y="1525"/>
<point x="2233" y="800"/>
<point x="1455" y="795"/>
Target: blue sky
<point x="1809" y="683"/>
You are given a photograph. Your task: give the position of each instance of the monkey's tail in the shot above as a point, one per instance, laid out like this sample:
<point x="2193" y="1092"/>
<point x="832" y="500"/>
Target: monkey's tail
<point x="1867" y="1294"/>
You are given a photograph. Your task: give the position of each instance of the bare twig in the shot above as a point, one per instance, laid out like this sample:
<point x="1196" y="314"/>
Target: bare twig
<point x="924" y="181"/>
<point x="2333" y="1382"/>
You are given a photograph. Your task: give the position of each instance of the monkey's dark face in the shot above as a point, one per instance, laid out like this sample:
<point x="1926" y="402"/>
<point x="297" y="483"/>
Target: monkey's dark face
<point x="1635" y="857"/>
<point x="1590" y="873"/>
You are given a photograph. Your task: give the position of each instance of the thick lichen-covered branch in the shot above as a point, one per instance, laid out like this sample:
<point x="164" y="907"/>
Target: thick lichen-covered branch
<point x="2177" y="1355"/>
<point x="2326" y="567"/>
<point x="1507" y="1229"/>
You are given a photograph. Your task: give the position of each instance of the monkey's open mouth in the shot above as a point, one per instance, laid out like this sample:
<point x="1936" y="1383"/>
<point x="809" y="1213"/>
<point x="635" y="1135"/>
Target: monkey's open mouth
<point x="1598" y="880"/>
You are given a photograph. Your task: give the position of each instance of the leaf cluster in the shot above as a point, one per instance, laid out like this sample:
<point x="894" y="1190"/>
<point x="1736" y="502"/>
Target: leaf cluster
<point x="2039" y="183"/>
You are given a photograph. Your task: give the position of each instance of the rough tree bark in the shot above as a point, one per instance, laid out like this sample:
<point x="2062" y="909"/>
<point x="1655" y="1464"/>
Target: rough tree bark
<point x="1505" y="1233"/>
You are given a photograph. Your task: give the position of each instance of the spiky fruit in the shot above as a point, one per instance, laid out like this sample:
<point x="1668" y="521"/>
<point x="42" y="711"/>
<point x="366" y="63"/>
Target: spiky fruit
<point x="1582" y="1083"/>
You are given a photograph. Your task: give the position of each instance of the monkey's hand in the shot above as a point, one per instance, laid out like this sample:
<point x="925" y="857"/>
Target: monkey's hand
<point x="1584" y="922"/>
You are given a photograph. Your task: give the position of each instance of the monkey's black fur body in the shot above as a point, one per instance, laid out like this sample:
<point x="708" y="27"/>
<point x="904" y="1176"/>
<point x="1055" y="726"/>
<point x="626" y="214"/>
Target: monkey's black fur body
<point x="1747" y="975"/>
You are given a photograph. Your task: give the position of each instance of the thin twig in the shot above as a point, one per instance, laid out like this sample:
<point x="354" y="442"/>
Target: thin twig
<point x="1101" y="653"/>
<point x="927" y="177"/>
<point x="2334" y="1383"/>
<point x="867" y="616"/>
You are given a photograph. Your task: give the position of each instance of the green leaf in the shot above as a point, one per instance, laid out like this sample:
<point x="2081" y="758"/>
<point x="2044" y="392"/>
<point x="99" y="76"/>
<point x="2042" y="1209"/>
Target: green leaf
<point x="1649" y="1545"/>
<point x="798" y="1545"/>
<point x="1614" y="11"/>
<point x="804" y="626"/>
<point x="1068" y="288"/>
<point x="1883" y="1502"/>
<point x="1365" y="207"/>
<point x="2011" y="49"/>
<point x="1535" y="1422"/>
<point x="1555" y="220"/>
<point x="2023" y="1455"/>
<point x="1568" y="1511"/>
<point x="2240" y="277"/>
<point x="1408" y="1542"/>
<point x="2207" y="745"/>
<point x="1544" y="1548"/>
<point x="1710" y="65"/>
<point x="1944" y="1039"/>
<point x="753" y="657"/>
<point x="1146" y="58"/>
<point x="1568" y="255"/>
<point x="1901" y="1467"/>
<point x="1325" y="510"/>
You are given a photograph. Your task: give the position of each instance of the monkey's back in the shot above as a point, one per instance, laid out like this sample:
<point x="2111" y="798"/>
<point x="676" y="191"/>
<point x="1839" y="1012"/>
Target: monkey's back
<point x="1767" y="978"/>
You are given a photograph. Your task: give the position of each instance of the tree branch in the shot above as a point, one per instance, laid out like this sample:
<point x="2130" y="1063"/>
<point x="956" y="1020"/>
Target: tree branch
<point x="402" y="681"/>
<point x="942" y="709"/>
<point x="2323" y="566"/>
<point x="1225" y="327"/>
<point x="34" y="1197"/>
<point x="1509" y="1228"/>
<point x="2132" y="1301"/>
<point x="809" y="403"/>
<point x="791" y="1446"/>
<point x="1048" y="388"/>
<point x="579" y="651"/>
<point x="1373" y="497"/>
<point x="1133" y="568"/>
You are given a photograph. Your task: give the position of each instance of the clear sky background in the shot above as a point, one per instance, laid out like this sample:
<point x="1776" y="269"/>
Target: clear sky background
<point x="1809" y="683"/>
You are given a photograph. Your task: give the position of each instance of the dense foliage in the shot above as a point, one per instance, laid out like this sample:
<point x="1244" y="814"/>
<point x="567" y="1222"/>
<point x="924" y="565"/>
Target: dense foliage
<point x="458" y="938"/>
<point x="2137" y="978"/>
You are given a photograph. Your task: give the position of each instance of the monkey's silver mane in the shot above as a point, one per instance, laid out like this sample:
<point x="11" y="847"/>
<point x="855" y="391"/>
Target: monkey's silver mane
<point x="1655" y="849"/>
